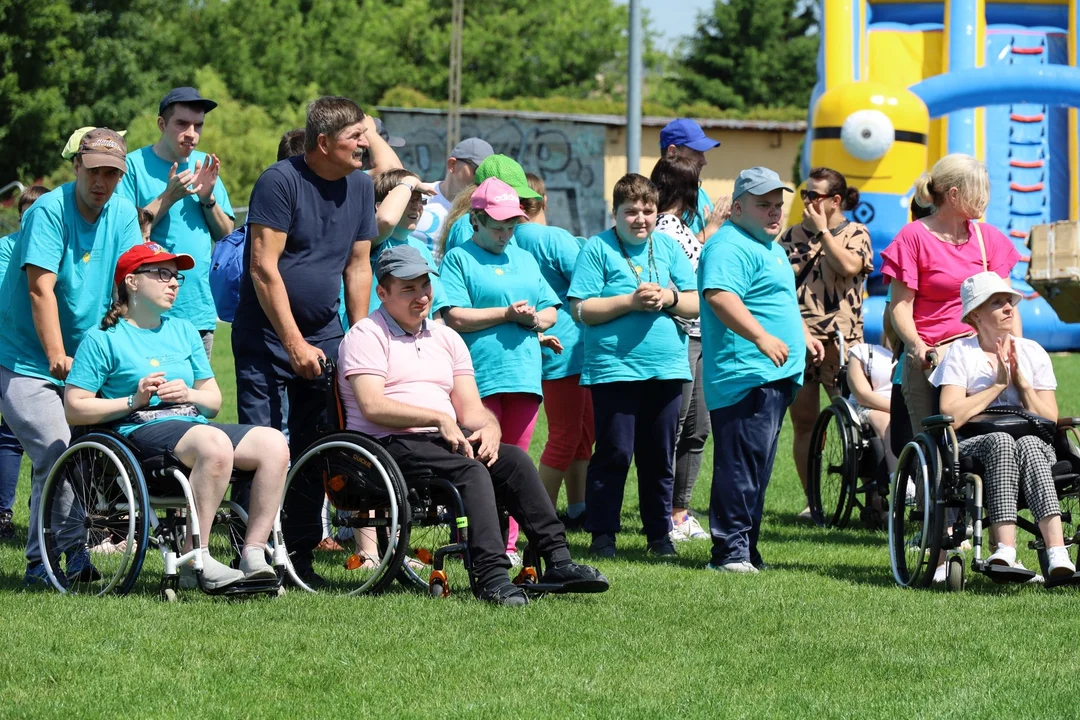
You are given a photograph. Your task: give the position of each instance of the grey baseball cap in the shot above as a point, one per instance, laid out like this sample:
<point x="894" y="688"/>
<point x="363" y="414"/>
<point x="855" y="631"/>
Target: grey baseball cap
<point x="403" y="262"/>
<point x="391" y="140"/>
<point x="758" y="181"/>
<point x="472" y="149"/>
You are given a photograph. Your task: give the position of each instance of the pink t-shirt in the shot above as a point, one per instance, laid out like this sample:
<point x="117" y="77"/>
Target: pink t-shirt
<point x="419" y="369"/>
<point x="936" y="269"/>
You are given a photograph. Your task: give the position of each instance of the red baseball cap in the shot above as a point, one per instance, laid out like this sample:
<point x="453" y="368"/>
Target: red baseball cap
<point x="146" y="254"/>
<point x="498" y="200"/>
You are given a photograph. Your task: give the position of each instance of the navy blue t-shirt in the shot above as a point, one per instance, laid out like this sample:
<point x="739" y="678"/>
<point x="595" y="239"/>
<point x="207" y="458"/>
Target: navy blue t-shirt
<point x="323" y="219"/>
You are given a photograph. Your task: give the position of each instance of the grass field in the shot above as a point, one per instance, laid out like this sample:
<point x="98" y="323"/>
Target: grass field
<point x="823" y="633"/>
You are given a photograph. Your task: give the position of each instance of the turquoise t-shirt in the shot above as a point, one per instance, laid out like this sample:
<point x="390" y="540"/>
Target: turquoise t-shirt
<point x="56" y="238"/>
<point x="438" y="295"/>
<point x="701" y="217"/>
<point x="760" y="274"/>
<point x="7" y="245"/>
<point x="506" y="357"/>
<point x="182" y="230"/>
<point x="638" y="345"/>
<point x="460" y="233"/>
<point x="113" y="362"/>
<point x="556" y="251"/>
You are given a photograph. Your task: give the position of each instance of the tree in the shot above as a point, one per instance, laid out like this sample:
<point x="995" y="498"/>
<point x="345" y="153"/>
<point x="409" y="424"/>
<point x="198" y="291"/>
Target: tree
<point x="752" y="53"/>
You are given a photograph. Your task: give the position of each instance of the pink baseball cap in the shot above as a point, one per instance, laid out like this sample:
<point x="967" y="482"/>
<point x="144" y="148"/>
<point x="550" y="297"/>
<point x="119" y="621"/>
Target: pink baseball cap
<point x="498" y="200"/>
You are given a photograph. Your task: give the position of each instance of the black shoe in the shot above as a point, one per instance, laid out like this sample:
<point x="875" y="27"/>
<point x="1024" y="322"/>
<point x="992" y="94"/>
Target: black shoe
<point x="308" y="576"/>
<point x="662" y="548"/>
<point x="7" y="529"/>
<point x="503" y="592"/>
<point x="572" y="523"/>
<point x="576" y="578"/>
<point x="603" y="546"/>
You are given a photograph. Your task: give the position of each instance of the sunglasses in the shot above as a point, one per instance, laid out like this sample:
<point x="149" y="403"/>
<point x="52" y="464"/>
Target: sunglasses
<point x="163" y="274"/>
<point x="810" y="195"/>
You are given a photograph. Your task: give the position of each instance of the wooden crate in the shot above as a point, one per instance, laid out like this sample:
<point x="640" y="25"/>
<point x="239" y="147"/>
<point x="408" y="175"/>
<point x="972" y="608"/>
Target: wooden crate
<point x="1054" y="270"/>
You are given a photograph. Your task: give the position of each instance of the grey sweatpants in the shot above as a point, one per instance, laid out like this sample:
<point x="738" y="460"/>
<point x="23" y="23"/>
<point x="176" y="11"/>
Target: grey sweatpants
<point x="34" y="409"/>
<point x="694" y="427"/>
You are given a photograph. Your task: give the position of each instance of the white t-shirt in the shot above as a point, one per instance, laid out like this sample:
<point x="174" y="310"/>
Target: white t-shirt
<point x="674" y="227"/>
<point x="429" y="227"/>
<point x="966" y="365"/>
<point x="880" y="364"/>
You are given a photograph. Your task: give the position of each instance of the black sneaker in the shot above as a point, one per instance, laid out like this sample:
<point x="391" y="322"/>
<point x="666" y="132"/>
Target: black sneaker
<point x="503" y="592"/>
<point x="603" y="546"/>
<point x="572" y="523"/>
<point x="576" y="578"/>
<point x="662" y="548"/>
<point x="7" y="528"/>
<point x="306" y="573"/>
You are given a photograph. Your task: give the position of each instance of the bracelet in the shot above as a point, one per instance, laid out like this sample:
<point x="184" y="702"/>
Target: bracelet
<point x="535" y="327"/>
<point x="208" y="205"/>
<point x="580" y="309"/>
<point x="131" y="402"/>
<point x="412" y="188"/>
<point x="675" y="299"/>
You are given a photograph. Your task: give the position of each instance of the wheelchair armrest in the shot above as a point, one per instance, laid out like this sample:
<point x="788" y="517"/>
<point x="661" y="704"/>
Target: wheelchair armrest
<point x="1068" y="422"/>
<point x="938" y="421"/>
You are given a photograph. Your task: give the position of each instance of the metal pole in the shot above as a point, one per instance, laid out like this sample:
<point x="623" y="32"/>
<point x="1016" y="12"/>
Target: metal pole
<point x="633" y="91"/>
<point x="453" y="111"/>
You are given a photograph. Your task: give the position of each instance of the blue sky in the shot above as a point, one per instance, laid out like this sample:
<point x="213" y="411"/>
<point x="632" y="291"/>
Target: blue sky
<point x="673" y="18"/>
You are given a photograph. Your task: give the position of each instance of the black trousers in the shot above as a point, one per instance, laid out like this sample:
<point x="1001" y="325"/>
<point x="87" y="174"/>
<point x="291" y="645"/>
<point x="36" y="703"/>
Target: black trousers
<point x="512" y="479"/>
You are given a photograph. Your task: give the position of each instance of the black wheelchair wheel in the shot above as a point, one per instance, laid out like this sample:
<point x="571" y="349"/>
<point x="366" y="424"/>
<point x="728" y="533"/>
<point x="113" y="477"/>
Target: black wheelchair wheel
<point x="955" y="579"/>
<point x="94" y="514"/>
<point x="363" y="496"/>
<point x="831" y="469"/>
<point x="911" y="507"/>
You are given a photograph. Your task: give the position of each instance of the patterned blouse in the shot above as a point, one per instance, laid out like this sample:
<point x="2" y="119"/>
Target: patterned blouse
<point x="674" y="226"/>
<point x="829" y="301"/>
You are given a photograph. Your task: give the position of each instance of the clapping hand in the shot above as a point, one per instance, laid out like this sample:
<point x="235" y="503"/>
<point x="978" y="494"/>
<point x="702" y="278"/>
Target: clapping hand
<point x="180" y="185"/>
<point x="648" y="297"/>
<point x="206" y="177"/>
<point x="1004" y="362"/>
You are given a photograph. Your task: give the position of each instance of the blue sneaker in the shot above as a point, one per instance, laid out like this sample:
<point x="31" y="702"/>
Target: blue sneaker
<point x="37" y="577"/>
<point x="79" y="567"/>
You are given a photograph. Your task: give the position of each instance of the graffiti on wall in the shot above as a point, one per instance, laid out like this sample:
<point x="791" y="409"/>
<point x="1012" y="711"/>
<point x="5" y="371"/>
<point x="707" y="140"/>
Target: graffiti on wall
<point x="568" y="156"/>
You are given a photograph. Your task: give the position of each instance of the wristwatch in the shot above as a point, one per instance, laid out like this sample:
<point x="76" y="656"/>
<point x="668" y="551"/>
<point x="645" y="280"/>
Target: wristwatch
<point x="209" y="205"/>
<point x="674" y="300"/>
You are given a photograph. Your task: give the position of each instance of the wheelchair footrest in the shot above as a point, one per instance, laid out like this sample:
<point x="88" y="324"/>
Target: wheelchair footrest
<point x="1059" y="581"/>
<point x="250" y="587"/>
<point x="1003" y="574"/>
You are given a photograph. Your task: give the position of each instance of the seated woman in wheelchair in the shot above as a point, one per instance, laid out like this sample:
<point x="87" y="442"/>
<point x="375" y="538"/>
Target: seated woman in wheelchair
<point x="409" y="382"/>
<point x="994" y="368"/>
<point x="869" y="377"/>
<point x="148" y="378"/>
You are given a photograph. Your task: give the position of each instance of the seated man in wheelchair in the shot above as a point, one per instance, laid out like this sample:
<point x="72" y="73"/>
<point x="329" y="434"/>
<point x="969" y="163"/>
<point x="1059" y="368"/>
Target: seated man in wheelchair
<point x="991" y="369"/>
<point x="148" y="378"/>
<point x="409" y="382"/>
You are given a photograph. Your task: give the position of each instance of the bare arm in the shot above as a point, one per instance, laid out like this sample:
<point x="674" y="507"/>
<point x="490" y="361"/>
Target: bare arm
<point x="861" y="389"/>
<point x="731" y="311"/>
<point x="546" y="318"/>
<point x="843" y="261"/>
<point x="82" y="407"/>
<point x="597" y="311"/>
<point x="267" y="245"/>
<point x="46" y="317"/>
<point x="956" y="402"/>
<point x="357" y="278"/>
<point x="903" y="320"/>
<point x="217" y="221"/>
<point x="475" y="319"/>
<point x="687" y="307"/>
<point x="383" y="157"/>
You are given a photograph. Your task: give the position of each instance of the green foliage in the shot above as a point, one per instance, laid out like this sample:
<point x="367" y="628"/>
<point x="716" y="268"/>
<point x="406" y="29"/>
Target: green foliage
<point x="752" y="52"/>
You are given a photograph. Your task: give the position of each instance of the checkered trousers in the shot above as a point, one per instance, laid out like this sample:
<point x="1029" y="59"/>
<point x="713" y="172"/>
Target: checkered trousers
<point x="1012" y="465"/>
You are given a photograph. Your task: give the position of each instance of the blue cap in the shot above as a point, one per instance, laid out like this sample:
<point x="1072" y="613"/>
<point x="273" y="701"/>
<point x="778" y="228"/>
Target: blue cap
<point x="403" y="262"/>
<point x="185" y="95"/>
<point x="685" y="132"/>
<point x="758" y="181"/>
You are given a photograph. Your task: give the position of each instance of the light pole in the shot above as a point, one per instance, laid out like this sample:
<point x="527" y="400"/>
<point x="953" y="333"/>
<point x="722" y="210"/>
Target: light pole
<point x="633" y="91"/>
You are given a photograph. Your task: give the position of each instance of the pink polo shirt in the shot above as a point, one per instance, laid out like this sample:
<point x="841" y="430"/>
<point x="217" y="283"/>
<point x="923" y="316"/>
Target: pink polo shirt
<point x="419" y="369"/>
<point x="935" y="270"/>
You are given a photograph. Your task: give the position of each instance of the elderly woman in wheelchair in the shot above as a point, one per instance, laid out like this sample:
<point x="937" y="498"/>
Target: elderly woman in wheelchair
<point x="997" y="394"/>
<point x="147" y="378"/>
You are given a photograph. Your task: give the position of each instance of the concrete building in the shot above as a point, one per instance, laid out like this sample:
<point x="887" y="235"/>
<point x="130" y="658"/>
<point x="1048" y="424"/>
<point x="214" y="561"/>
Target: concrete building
<point x="581" y="157"/>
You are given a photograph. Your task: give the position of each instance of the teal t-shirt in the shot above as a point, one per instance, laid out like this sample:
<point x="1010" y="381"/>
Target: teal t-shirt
<point x="438" y="295"/>
<point x="461" y="232"/>
<point x="760" y="274"/>
<point x="56" y="238"/>
<point x="7" y="245"/>
<point x="182" y="230"/>
<point x="638" y="345"/>
<point x="701" y="217"/>
<point x="113" y="362"/>
<point x="556" y="251"/>
<point x="506" y="357"/>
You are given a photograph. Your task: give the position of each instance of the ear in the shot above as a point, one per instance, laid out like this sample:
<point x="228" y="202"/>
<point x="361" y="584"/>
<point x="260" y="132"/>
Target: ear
<point x="323" y="143"/>
<point x="132" y="284"/>
<point x="381" y="292"/>
<point x="451" y="163"/>
<point x="161" y="124"/>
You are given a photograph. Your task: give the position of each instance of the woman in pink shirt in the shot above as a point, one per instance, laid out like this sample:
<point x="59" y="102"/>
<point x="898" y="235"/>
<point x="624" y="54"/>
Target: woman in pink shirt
<point x="929" y="259"/>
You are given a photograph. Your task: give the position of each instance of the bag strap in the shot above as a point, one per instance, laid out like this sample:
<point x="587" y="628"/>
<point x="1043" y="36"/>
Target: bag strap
<point x="982" y="245"/>
<point x="1037" y="422"/>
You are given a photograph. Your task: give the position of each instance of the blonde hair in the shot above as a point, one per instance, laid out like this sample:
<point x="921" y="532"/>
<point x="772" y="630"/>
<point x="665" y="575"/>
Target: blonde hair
<point x="963" y="172"/>
<point x="461" y="206"/>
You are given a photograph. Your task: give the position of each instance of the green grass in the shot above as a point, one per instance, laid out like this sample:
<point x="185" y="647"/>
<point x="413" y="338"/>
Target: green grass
<point x="824" y="633"/>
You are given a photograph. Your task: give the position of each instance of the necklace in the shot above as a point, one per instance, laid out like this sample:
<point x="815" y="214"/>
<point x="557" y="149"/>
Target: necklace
<point x="654" y="275"/>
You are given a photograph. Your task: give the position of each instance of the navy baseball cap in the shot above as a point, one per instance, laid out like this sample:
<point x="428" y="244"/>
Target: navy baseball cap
<point x="685" y="132"/>
<point x="758" y="181"/>
<point x="391" y="140"/>
<point x="185" y="95"/>
<point x="403" y="262"/>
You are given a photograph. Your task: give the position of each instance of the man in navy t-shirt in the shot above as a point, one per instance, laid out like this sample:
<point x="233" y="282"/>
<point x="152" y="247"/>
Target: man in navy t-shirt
<point x="310" y="220"/>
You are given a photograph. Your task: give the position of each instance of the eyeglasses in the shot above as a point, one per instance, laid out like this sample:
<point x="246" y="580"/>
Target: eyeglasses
<point x="163" y="274"/>
<point x="812" y="196"/>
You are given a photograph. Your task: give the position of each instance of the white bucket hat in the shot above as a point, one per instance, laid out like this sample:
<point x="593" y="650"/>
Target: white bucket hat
<point x="977" y="289"/>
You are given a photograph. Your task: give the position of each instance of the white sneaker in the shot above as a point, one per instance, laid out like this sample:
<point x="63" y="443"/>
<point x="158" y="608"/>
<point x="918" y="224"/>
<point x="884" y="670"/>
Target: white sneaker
<point x="806" y="514"/>
<point x="677" y="533"/>
<point x="1059" y="564"/>
<point x="734" y="567"/>
<point x="939" y="573"/>
<point x="254" y="566"/>
<point x="515" y="558"/>
<point x="909" y="493"/>
<point x="693" y="530"/>
<point x="1004" y="555"/>
<point x="1037" y="580"/>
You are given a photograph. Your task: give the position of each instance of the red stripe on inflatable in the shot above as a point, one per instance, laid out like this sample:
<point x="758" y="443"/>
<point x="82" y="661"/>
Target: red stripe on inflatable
<point x="1018" y="234"/>
<point x="1016" y="187"/>
<point x="1027" y="51"/>
<point x="1027" y="118"/>
<point x="1030" y="164"/>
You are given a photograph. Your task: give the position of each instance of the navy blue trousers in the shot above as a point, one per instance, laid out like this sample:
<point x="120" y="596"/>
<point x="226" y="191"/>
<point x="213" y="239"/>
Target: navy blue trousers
<point x="745" y="436"/>
<point x="11" y="453"/>
<point x="638" y="420"/>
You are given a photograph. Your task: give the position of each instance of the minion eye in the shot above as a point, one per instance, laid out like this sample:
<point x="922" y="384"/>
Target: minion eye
<point x="867" y="134"/>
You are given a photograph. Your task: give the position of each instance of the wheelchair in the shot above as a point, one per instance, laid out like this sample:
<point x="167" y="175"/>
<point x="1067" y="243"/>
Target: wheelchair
<point x="846" y="466"/>
<point x="102" y="496"/>
<point x="417" y="527"/>
<point x="937" y="500"/>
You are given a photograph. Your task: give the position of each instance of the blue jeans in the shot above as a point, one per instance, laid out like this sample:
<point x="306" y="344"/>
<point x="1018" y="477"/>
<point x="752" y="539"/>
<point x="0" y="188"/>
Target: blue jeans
<point x="11" y="453"/>
<point x="745" y="436"/>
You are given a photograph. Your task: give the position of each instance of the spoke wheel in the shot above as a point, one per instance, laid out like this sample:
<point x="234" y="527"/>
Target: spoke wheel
<point x="831" y="469"/>
<point x="910" y="503"/>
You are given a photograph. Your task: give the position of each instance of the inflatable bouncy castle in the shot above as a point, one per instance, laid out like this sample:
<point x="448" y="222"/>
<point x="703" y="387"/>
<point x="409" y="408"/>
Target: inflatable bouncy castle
<point x="902" y="83"/>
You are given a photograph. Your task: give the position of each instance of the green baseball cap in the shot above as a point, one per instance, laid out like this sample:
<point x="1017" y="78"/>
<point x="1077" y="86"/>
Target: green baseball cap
<point x="509" y="171"/>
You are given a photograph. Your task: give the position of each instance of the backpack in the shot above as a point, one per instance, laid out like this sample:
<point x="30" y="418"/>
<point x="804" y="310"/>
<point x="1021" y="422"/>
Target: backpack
<point x="226" y="269"/>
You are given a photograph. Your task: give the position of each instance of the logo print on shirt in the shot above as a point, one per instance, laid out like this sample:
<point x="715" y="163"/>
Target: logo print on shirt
<point x="498" y="271"/>
<point x="154" y="362"/>
<point x="86" y="257"/>
<point x="638" y="268"/>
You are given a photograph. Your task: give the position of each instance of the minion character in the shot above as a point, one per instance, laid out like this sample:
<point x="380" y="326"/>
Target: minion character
<point x="876" y="136"/>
